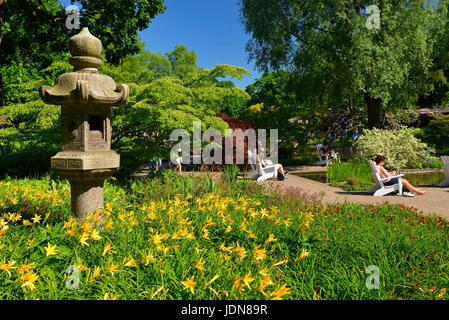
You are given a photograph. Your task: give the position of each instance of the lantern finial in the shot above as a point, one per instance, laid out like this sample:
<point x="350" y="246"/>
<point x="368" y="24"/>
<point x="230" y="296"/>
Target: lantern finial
<point x="85" y="50"/>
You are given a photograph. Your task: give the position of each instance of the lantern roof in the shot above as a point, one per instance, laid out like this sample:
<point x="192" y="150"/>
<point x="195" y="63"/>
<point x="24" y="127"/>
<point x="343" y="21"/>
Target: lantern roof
<point x="85" y="84"/>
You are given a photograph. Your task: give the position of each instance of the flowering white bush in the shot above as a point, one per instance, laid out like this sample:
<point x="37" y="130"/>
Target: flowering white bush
<point x="401" y="148"/>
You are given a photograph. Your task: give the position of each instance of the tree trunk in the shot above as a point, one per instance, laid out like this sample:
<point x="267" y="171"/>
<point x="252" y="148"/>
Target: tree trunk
<point x="2" y="18"/>
<point x="374" y="111"/>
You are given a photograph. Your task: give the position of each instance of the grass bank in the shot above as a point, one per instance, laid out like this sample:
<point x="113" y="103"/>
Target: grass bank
<point x="352" y="175"/>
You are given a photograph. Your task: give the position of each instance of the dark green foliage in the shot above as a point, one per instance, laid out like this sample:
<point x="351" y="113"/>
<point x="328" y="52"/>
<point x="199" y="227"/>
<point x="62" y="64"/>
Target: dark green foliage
<point x="436" y="134"/>
<point x="31" y="138"/>
<point x="182" y="61"/>
<point x="117" y="23"/>
<point x="34" y="32"/>
<point x="275" y="105"/>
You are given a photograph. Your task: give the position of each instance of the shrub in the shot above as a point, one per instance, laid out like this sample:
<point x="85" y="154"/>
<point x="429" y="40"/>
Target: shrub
<point x="401" y="148"/>
<point x="436" y="134"/>
<point x="353" y="181"/>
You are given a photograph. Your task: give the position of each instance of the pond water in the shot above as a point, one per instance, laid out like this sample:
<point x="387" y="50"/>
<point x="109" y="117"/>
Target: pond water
<point x="415" y="178"/>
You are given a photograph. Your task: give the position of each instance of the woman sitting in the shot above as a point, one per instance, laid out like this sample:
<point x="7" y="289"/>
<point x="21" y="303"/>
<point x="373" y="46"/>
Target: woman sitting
<point x="380" y="160"/>
<point x="279" y="167"/>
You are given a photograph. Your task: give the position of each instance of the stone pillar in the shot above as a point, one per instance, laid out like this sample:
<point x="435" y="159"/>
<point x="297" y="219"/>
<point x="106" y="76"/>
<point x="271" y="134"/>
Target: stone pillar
<point x="87" y="195"/>
<point x="85" y="97"/>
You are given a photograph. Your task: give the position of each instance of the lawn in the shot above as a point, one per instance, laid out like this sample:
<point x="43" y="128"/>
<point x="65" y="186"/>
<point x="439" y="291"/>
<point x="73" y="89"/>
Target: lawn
<point x="173" y="237"/>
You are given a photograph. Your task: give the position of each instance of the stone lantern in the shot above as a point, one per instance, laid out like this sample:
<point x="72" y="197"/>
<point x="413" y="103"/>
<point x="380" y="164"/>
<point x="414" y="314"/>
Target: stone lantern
<point x="86" y="98"/>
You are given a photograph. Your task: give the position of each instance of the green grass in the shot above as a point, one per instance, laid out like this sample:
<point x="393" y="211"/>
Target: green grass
<point x="163" y="228"/>
<point x="352" y="175"/>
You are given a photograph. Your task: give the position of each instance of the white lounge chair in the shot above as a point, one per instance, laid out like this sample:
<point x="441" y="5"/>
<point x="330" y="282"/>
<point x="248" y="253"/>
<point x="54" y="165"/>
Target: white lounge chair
<point x="334" y="156"/>
<point x="445" y="160"/>
<point x="264" y="173"/>
<point x="252" y="163"/>
<point x="323" y="159"/>
<point x="380" y="189"/>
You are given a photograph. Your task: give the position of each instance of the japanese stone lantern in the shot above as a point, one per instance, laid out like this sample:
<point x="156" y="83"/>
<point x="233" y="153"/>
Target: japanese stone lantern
<point x="85" y="97"/>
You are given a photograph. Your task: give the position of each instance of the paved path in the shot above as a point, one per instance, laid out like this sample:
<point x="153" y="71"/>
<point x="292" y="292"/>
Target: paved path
<point x="435" y="201"/>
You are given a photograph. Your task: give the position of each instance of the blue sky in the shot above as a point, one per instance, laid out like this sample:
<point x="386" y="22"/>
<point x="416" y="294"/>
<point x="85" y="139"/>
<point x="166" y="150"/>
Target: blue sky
<point x="211" y="28"/>
<point x="208" y="27"/>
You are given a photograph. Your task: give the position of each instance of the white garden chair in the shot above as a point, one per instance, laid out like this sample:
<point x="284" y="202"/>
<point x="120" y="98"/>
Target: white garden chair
<point x="380" y="189"/>
<point x="265" y="173"/>
<point x="323" y="159"/>
<point x="445" y="160"/>
<point x="334" y="156"/>
<point x="252" y="163"/>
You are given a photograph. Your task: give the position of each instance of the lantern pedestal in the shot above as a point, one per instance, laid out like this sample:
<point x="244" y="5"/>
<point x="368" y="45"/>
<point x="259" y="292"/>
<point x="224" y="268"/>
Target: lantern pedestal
<point x="87" y="196"/>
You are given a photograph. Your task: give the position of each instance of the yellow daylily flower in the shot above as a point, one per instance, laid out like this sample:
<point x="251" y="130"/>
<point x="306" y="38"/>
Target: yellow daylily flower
<point x="95" y="235"/>
<point x="282" y="291"/>
<point x="50" y="250"/>
<point x="83" y="239"/>
<point x="3" y="230"/>
<point x="263" y="283"/>
<point x="108" y="248"/>
<point x="109" y="296"/>
<point x="240" y="251"/>
<point x="130" y="263"/>
<point x="247" y="279"/>
<point x="304" y="254"/>
<point x="200" y="265"/>
<point x="271" y="238"/>
<point x="36" y="218"/>
<point x="264" y="272"/>
<point x="112" y="269"/>
<point x="259" y="254"/>
<point x="26" y="267"/>
<point x="190" y="284"/>
<point x="28" y="280"/>
<point x="8" y="266"/>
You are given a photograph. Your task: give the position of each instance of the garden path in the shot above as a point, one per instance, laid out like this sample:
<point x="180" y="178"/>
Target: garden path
<point x="435" y="201"/>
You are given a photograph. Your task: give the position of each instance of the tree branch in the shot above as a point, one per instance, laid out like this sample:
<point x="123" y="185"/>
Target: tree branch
<point x="312" y="44"/>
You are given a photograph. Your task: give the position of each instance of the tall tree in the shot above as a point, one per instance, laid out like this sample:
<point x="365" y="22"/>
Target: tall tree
<point x="339" y="55"/>
<point x="33" y="31"/>
<point x="117" y="23"/>
<point x="274" y="104"/>
<point x="159" y="65"/>
<point x="2" y="17"/>
<point x="182" y="61"/>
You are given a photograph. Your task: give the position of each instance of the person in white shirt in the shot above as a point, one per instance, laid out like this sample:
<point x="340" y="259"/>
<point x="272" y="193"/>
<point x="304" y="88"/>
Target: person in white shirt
<point x="380" y="160"/>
